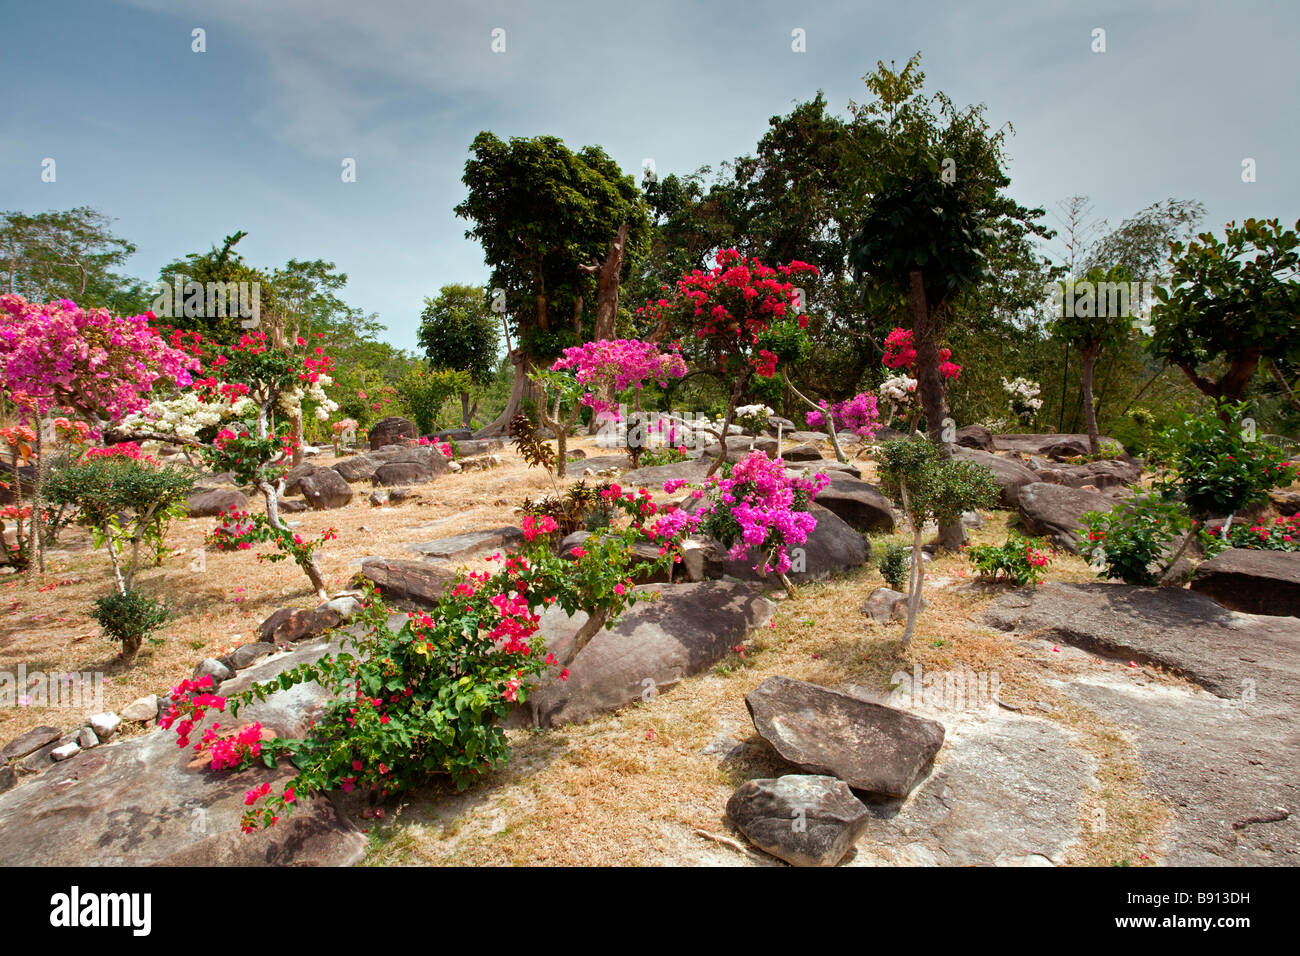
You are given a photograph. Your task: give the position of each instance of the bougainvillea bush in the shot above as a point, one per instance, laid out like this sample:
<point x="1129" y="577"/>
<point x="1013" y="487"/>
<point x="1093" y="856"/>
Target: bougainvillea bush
<point x="901" y="389"/>
<point x="1019" y="560"/>
<point x="858" y="414"/>
<point x="429" y="698"/>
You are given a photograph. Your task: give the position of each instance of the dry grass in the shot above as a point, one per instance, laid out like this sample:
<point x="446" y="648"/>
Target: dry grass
<point x="633" y="787"/>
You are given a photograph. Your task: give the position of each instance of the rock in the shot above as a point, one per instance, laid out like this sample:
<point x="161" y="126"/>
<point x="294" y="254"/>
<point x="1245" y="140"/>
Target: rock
<point x="480" y="446"/>
<point x="807" y="436"/>
<point x="1035" y="444"/>
<point x="407" y="584"/>
<point x="803" y="452"/>
<point x="295" y="475"/>
<point x="292" y="506"/>
<point x="827" y="466"/>
<point x="832" y="547"/>
<point x="392" y="431"/>
<point x="455" y="434"/>
<point x="886" y="604"/>
<point x="357" y="468"/>
<point x="1287" y="503"/>
<point x="378" y="499"/>
<point x="1009" y="474"/>
<point x="599" y="463"/>
<point x="803" y="819"/>
<point x="859" y="503"/>
<point x="398" y="495"/>
<point x="65" y="751"/>
<point x="692" y="470"/>
<point x="210" y="503"/>
<point x="87" y="739"/>
<point x="872" y="748"/>
<point x="30" y="742"/>
<point x="975" y="436"/>
<point x="142" y="710"/>
<point x="246" y="655"/>
<point x="1064" y="448"/>
<point x="1252" y="581"/>
<point x="972" y="519"/>
<point x="104" y="725"/>
<point x="776" y="423"/>
<point x="211" y="667"/>
<point x="1056" y="511"/>
<point x="403" y="473"/>
<point x="461" y="547"/>
<point x="740" y="446"/>
<point x="8" y="777"/>
<point x="289" y="625"/>
<point x="325" y="489"/>
<point x="689" y="628"/>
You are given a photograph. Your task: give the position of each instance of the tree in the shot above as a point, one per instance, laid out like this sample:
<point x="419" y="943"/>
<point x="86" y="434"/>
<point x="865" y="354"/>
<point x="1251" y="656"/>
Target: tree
<point x="936" y="213"/>
<point x="458" y="332"/>
<point x="544" y="215"/>
<point x="219" y="267"/>
<point x="67" y="255"/>
<point x="1233" y="302"/>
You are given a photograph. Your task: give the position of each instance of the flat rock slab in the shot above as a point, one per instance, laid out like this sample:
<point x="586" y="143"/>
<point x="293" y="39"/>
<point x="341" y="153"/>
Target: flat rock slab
<point x="461" y="547"/>
<point x="1006" y="792"/>
<point x="29" y="742"/>
<point x="875" y="749"/>
<point x="1252" y="581"/>
<point x="407" y="584"/>
<point x="689" y="628"/>
<point x="806" y="820"/>
<point x="1223" y="763"/>
<point x="653" y="477"/>
<point x="1056" y="511"/>
<point x="597" y="463"/>
<point x="1035" y="444"/>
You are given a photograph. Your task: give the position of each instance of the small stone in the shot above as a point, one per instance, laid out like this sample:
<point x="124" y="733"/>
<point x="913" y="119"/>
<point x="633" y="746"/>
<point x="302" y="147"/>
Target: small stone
<point x="141" y="710"/>
<point x="87" y="739"/>
<point x="249" y="654"/>
<point x="65" y="751"/>
<point x="378" y="499"/>
<point x="30" y="742"/>
<point x="454" y="467"/>
<point x="104" y="725"/>
<point x="806" y="820"/>
<point x="211" y="667"/>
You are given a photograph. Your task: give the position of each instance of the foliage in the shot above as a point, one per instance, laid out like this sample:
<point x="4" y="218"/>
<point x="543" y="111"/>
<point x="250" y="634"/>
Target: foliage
<point x="573" y="510"/>
<point x="423" y="394"/>
<point x="930" y="487"/>
<point x="129" y="617"/>
<point x="894" y="566"/>
<point x="529" y="444"/>
<point x="1018" y="560"/>
<point x="458" y="332"/>
<point x="1130" y="541"/>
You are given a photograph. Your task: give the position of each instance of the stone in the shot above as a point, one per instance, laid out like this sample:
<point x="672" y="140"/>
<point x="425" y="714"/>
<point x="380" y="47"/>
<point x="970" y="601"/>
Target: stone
<point x="1009" y="474"/>
<point x="1252" y="581"/>
<point x="87" y="739"/>
<point x="829" y="818"/>
<point x="398" y="495"/>
<point x="406" y="584"/>
<point x="393" y="430"/>
<point x="404" y="473"/>
<point x="30" y="742"/>
<point x="807" y="436"/>
<point x="378" y="499"/>
<point x="858" y="503"/>
<point x="325" y="489"/>
<point x="1056" y="511"/>
<point x="653" y="477"/>
<point x="471" y="544"/>
<point x="975" y="436"/>
<point x="832" y="547"/>
<point x="292" y="506"/>
<point x="803" y="452"/>
<point x="357" y="468"/>
<point x="65" y="751"/>
<point x="1034" y="444"/>
<point x="210" y="503"/>
<point x="104" y="725"/>
<point x="142" y="802"/>
<point x="875" y="749"/>
<point x="457" y="435"/>
<point x="972" y="519"/>
<point x="479" y="446"/>
<point x="827" y="466"/>
<point x="597" y="464"/>
<point x="295" y="475"/>
<point x="1064" y="448"/>
<point x="246" y="655"/>
<point x="1287" y="503"/>
<point x="886" y="604"/>
<point x="740" y="446"/>
<point x="8" y="777"/>
<point x="290" y="625"/>
<point x="689" y="628"/>
<point x="141" y="710"/>
<point x="211" y="667"/>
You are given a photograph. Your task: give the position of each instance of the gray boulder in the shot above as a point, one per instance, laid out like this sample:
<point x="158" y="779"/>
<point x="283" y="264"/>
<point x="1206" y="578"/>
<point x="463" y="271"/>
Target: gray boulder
<point x="324" y="489"/>
<point x="471" y="544"/>
<point x="875" y="749"/>
<point x="1009" y="473"/>
<point x="357" y="468"/>
<point x="1252" y="581"/>
<point x="211" y="502"/>
<point x="406" y="584"/>
<point x="805" y="820"/>
<point x="975" y="436"/>
<point x="1056" y="511"/>
<point x="803" y="452"/>
<point x="858" y="503"/>
<point x="393" y="430"/>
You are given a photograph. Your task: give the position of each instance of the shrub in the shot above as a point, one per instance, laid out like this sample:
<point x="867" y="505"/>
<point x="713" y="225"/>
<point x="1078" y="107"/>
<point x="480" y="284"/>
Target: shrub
<point x="894" y="566"/>
<point x="129" y="617"/>
<point x="1282" y="534"/>
<point x="1133" y="537"/>
<point x="1019" y="560"/>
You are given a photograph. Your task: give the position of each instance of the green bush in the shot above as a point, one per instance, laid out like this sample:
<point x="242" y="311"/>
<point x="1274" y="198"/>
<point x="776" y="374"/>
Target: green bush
<point x="1019" y="560"/>
<point x="893" y="566"/>
<point x="129" y="618"/>
<point x="1129" y="542"/>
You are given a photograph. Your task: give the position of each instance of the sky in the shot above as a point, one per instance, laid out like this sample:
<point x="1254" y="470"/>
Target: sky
<point x="182" y="148"/>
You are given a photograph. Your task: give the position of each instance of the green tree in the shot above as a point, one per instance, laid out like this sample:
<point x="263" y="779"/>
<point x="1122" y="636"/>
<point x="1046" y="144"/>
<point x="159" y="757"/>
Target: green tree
<point x="550" y="221"/>
<point x="68" y="255"/>
<point x="458" y="332"/>
<point x="1229" y="306"/>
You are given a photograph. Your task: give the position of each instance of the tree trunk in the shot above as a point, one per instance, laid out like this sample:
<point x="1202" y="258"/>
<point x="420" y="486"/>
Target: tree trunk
<point x="296" y="423"/>
<point x="523" y="387"/>
<point x="465" y="412"/>
<point x="736" y="392"/>
<point x="930" y="388"/>
<point x="607" y="284"/>
<point x="1088" y="357"/>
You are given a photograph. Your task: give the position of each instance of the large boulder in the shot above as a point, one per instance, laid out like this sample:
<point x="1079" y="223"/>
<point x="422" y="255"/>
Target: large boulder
<point x="144" y="802"/>
<point x="291" y="625"/>
<point x="293" y="477"/>
<point x="875" y="749"/>
<point x="358" y="467"/>
<point x="689" y="628"/>
<point x="805" y="820"/>
<point x="1009" y="473"/>
<point x="1056" y="511"/>
<point x="804" y="452"/>
<point x="832" y="547"/>
<point x="392" y="431"/>
<point x="1286" y="503"/>
<point x="211" y="502"/>
<point x="653" y="476"/>
<point x="406" y="584"/>
<point x="396" y="473"/>
<point x="740" y="446"/>
<point x="1252" y="581"/>
<point x="471" y="544"/>
<point x="859" y="503"/>
<point x="324" y="489"/>
<point x="975" y="436"/>
<point x="1035" y="444"/>
<point x="1065" y="447"/>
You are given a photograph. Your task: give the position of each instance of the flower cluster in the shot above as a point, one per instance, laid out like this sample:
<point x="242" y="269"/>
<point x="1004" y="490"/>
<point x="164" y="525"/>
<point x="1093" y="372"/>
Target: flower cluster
<point x="240" y="530"/>
<point x="1023" y="396"/>
<point x="900" y="353"/>
<point x="189" y="703"/>
<point x="1281" y="534"/>
<point x="759" y="507"/>
<point x="620" y="365"/>
<point x="233" y="752"/>
<point x="858" y="414"/>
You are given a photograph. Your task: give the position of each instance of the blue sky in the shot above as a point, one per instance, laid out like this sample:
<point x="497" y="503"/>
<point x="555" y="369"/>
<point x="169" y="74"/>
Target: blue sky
<point x="182" y="148"/>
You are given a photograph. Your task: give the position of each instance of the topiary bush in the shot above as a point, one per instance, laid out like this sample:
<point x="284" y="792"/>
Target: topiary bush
<point x="129" y="617"/>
